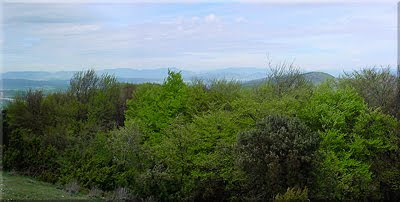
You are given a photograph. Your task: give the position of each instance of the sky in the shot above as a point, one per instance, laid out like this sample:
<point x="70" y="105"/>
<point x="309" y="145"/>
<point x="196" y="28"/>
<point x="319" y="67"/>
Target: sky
<point x="316" y="36"/>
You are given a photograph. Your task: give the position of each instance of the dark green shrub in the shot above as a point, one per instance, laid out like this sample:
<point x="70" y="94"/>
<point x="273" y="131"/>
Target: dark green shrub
<point x="279" y="153"/>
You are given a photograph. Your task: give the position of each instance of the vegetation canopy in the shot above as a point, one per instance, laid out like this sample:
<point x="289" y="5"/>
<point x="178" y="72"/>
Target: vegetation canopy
<point x="283" y="139"/>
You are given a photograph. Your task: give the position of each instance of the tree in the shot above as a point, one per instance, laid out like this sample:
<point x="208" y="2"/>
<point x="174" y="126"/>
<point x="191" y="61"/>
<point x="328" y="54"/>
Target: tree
<point x="105" y="102"/>
<point x="222" y="92"/>
<point x="277" y="154"/>
<point x="198" y="98"/>
<point x="376" y="86"/>
<point x="174" y="97"/>
<point x="285" y="77"/>
<point x="83" y="85"/>
<point x="352" y="137"/>
<point x="127" y="90"/>
<point x="25" y="112"/>
<point x="144" y="108"/>
<point x="154" y="107"/>
<point x="212" y="136"/>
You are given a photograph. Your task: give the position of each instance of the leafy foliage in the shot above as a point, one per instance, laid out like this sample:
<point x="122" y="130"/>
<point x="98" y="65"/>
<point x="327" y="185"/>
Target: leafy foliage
<point x="378" y="87"/>
<point x="277" y="154"/>
<point x="40" y="129"/>
<point x="352" y="136"/>
<point x="215" y="141"/>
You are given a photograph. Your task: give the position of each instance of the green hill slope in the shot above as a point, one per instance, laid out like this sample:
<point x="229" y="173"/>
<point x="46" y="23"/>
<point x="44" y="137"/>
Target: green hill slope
<point x="318" y="77"/>
<point x="315" y="77"/>
<point x="25" y="188"/>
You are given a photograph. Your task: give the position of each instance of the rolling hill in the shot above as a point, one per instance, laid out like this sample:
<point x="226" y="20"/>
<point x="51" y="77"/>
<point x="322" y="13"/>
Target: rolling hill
<point x="315" y="78"/>
<point x="145" y="75"/>
<point x="318" y="77"/>
<point x="12" y="82"/>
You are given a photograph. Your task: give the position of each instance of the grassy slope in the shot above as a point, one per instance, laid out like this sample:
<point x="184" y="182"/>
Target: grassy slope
<point x="20" y="187"/>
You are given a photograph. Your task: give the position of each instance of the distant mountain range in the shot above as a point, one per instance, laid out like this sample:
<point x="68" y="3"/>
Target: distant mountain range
<point x="11" y="82"/>
<point x="143" y="75"/>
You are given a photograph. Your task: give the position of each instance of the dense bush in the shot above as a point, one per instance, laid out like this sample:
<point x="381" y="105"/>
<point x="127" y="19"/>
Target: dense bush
<point x="284" y="139"/>
<point x="352" y="136"/>
<point x="40" y="130"/>
<point x="278" y="153"/>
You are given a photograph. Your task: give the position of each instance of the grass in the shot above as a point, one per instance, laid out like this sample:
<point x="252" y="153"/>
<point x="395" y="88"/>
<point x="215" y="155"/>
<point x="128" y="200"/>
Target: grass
<point x="20" y="187"/>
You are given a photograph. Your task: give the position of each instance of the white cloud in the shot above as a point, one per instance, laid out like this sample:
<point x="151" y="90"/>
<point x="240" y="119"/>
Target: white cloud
<point x="190" y="21"/>
<point x="69" y="28"/>
<point x="240" y="19"/>
<point x="211" y="18"/>
<point x="216" y="36"/>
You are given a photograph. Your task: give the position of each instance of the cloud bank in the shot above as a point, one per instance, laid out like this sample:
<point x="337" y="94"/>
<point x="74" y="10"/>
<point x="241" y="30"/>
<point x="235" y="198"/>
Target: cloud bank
<point x="200" y="36"/>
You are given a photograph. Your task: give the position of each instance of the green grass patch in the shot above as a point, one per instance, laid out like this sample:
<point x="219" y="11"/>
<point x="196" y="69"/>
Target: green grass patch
<point x="21" y="187"/>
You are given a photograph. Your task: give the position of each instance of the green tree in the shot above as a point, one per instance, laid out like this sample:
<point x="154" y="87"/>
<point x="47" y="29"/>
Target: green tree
<point x="198" y="98"/>
<point x="285" y="78"/>
<point x="352" y="136"/>
<point x="154" y="107"/>
<point x="104" y="104"/>
<point x="277" y="154"/>
<point x="222" y="92"/>
<point x="211" y="153"/>
<point x="376" y="85"/>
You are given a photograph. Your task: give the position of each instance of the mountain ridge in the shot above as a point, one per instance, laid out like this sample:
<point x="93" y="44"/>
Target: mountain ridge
<point x="248" y="73"/>
<point x="20" y="82"/>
